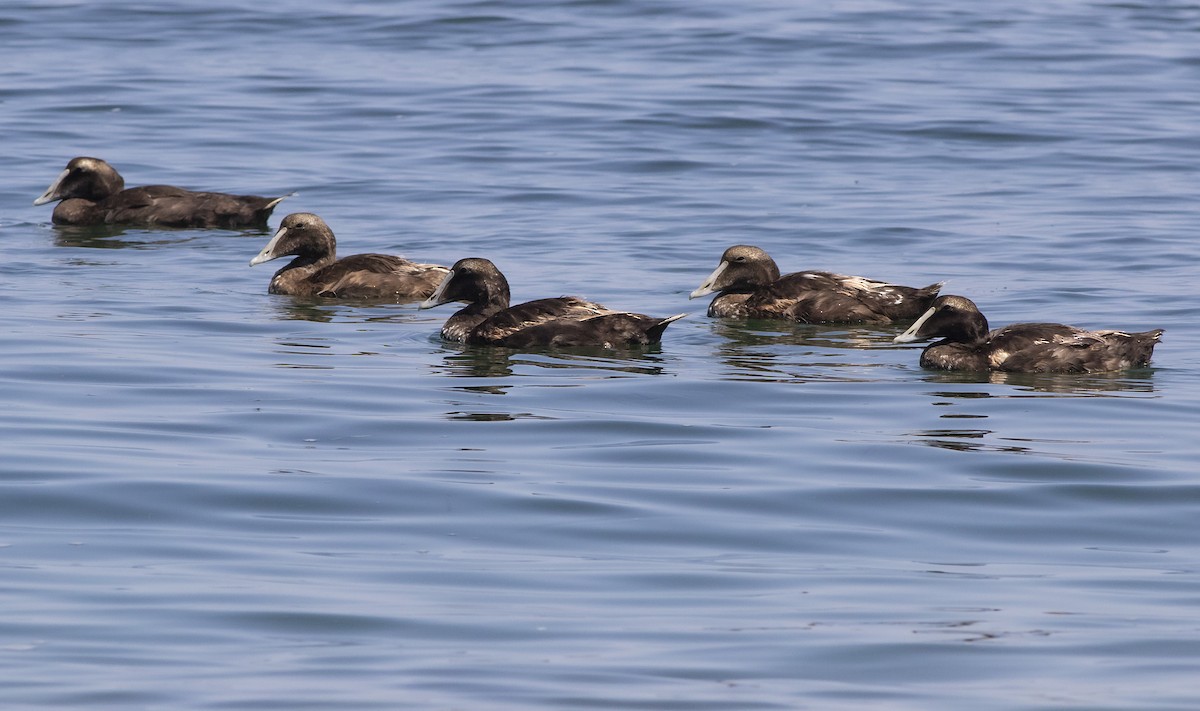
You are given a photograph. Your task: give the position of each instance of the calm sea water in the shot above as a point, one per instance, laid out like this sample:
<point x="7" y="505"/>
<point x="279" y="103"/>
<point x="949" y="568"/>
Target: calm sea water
<point x="214" y="498"/>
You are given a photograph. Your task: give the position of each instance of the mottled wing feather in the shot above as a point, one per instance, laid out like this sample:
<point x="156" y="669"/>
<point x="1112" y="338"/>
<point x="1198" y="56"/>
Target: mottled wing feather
<point x="1055" y="348"/>
<point x="825" y="297"/>
<point x="501" y="326"/>
<point x="175" y="207"/>
<point x="612" y="330"/>
<point x="365" y="276"/>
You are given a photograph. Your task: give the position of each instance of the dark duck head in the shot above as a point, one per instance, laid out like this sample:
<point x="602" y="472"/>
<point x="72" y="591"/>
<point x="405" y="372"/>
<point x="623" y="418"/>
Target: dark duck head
<point x="302" y="235"/>
<point x="82" y="184"/>
<point x="477" y="282"/>
<point x="84" y="178"/>
<point x="743" y="268"/>
<point x="954" y="318"/>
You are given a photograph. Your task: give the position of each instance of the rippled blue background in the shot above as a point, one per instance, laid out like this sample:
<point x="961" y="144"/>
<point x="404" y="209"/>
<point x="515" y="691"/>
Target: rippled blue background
<point x="214" y="498"/>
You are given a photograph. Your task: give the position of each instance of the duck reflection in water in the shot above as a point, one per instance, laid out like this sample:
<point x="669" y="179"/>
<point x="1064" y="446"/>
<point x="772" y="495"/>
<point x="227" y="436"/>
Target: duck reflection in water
<point x="1032" y="384"/>
<point x="118" y="237"/>
<point x="466" y="361"/>
<point x="791" y="352"/>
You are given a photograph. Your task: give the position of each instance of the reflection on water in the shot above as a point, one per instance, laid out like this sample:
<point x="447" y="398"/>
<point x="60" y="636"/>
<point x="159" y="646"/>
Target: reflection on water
<point x="133" y="237"/>
<point x="463" y="361"/>
<point x="761" y="332"/>
<point x="322" y="310"/>
<point x="302" y="352"/>
<point x="494" y="416"/>
<point x="466" y="361"/>
<point x="784" y="352"/>
<point x="297" y="309"/>
<point x="1085" y="385"/>
<point x="554" y="369"/>
<point x="962" y="440"/>
<point x="119" y="237"/>
<point x="1034" y="384"/>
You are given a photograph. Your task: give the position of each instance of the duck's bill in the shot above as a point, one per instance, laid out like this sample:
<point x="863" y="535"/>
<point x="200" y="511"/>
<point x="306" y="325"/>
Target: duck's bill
<point x="51" y="193"/>
<point x="914" y="331"/>
<point x="268" y="252"/>
<point x="709" y="285"/>
<point x="437" y="298"/>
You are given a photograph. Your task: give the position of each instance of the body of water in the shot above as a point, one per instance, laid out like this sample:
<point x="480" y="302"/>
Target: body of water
<point x="216" y="498"/>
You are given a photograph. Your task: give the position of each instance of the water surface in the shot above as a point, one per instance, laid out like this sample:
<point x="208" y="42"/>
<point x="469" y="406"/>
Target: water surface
<point x="216" y="498"/>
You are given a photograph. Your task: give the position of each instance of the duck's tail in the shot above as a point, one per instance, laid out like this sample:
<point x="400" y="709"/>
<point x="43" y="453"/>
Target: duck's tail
<point x="272" y="203"/>
<point x="655" y="332"/>
<point x="933" y="289"/>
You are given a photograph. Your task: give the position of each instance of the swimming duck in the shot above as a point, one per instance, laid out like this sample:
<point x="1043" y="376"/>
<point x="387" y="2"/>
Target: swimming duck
<point x="967" y="344"/>
<point x="750" y="286"/>
<point x="92" y="192"/>
<point x="565" y="321"/>
<point x="316" y="270"/>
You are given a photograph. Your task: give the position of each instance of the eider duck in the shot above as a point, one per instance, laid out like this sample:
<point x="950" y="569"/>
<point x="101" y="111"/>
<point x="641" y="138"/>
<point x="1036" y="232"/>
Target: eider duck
<point x="562" y="322"/>
<point x="92" y="192"/>
<point x="750" y="286"/>
<point x="968" y="345"/>
<point x="316" y="270"/>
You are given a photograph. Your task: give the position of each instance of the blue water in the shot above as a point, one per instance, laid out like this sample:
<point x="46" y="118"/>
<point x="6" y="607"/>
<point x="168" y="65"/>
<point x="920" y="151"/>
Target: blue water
<point x="216" y="498"/>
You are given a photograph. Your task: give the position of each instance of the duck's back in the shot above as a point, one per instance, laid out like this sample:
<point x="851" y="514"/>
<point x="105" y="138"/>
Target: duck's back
<point x="500" y="328"/>
<point x="171" y="206"/>
<point x="611" y="330"/>
<point x="1056" y="348"/>
<point x="825" y="297"/>
<point x="377" y="276"/>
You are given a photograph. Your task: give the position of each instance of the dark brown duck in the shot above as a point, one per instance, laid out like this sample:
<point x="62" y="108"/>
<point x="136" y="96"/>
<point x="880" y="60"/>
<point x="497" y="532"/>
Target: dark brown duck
<point x="968" y="345"/>
<point x="92" y="192"/>
<point x="562" y="322"/>
<point x="749" y="286"/>
<point x="316" y="270"/>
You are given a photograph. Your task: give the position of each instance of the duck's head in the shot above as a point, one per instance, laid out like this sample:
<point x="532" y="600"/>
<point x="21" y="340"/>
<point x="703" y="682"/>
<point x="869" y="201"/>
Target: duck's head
<point x="301" y="234"/>
<point x="742" y="268"/>
<point x="955" y="318"/>
<point x="474" y="280"/>
<point x="87" y="178"/>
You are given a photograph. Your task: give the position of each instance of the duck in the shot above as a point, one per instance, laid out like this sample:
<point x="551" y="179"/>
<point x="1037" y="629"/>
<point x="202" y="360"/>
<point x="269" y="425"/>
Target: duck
<point x="749" y="286"/>
<point x="91" y="192"/>
<point x="967" y="345"/>
<point x="316" y="270"/>
<point x="559" y="322"/>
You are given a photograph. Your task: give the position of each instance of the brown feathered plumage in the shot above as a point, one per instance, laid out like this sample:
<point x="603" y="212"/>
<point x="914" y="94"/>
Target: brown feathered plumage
<point x="92" y="192"/>
<point x="968" y="345"/>
<point x="750" y="286"/>
<point x="562" y="322"/>
<point x="316" y="270"/>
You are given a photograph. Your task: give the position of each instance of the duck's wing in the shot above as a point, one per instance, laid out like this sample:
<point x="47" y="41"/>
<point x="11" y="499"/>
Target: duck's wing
<point x="1106" y="350"/>
<point x="826" y="297"/>
<point x="177" y="207"/>
<point x="378" y="276"/>
<point x="611" y="330"/>
<point x="496" y="329"/>
<point x="1056" y="348"/>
